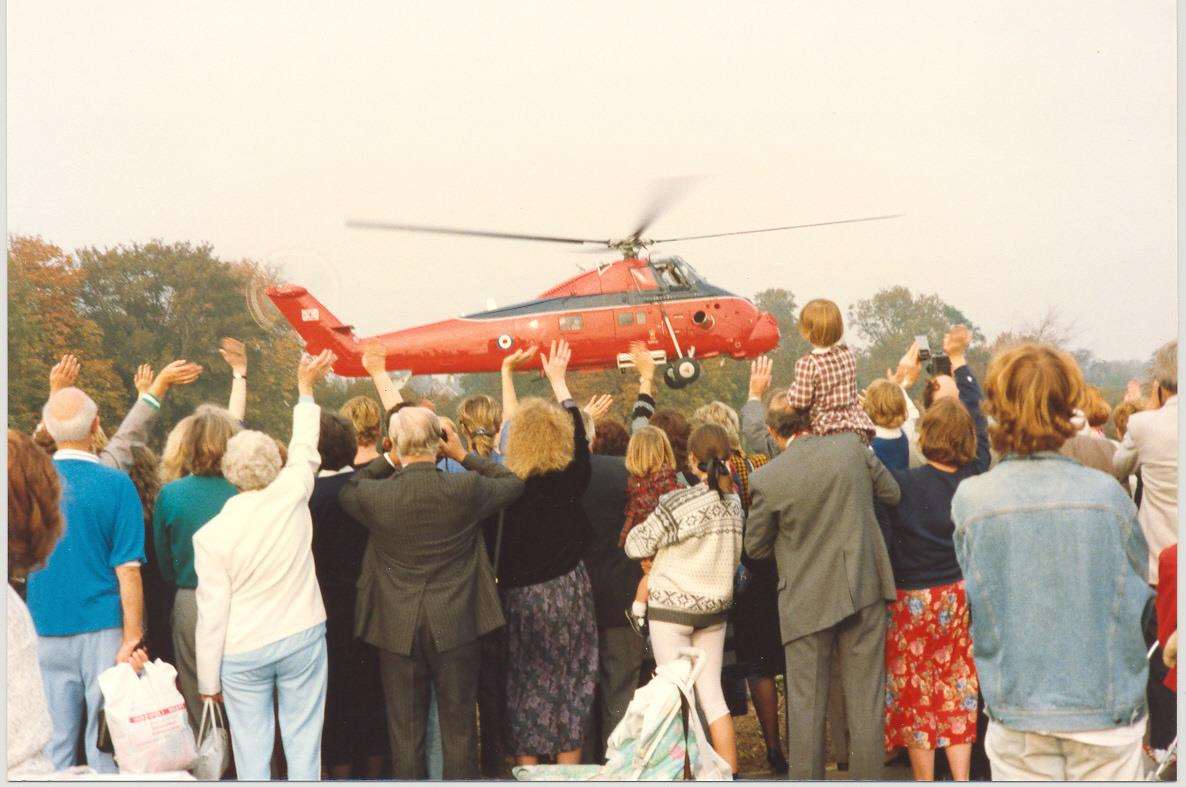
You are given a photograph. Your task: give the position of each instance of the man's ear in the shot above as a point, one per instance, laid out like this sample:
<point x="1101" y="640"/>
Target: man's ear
<point x="95" y="425"/>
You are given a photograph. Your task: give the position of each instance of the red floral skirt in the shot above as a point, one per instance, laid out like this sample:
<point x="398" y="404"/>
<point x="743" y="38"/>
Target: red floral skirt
<point x="930" y="678"/>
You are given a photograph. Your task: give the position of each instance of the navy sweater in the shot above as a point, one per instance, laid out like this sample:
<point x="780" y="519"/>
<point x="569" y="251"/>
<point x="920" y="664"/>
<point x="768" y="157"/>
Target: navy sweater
<point x="918" y="531"/>
<point x="894" y="453"/>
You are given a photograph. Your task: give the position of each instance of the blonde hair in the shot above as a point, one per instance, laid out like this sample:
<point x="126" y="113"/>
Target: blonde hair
<point x="721" y="415"/>
<point x="197" y="443"/>
<point x="1031" y="393"/>
<point x="99" y="439"/>
<point x="821" y="323"/>
<point x="367" y="417"/>
<point x="541" y="439"/>
<point x="649" y="451"/>
<point x="885" y="404"/>
<point x="478" y="419"/>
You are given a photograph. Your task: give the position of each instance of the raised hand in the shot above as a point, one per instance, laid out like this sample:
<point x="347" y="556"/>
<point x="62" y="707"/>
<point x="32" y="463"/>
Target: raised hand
<point x="555" y="363"/>
<point x="63" y="374"/>
<point x="234" y="353"/>
<point x="143" y="377"/>
<point x="599" y="405"/>
<point x="761" y="373"/>
<point x="956" y="341"/>
<point x="312" y="369"/>
<point x="179" y="372"/>
<point x="909" y="367"/>
<point x="640" y="356"/>
<point x="374" y="358"/>
<point x="452" y="447"/>
<point x="1132" y="392"/>
<point x="518" y="358"/>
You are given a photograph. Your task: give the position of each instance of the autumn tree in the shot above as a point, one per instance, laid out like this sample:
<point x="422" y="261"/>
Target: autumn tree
<point x="155" y="302"/>
<point x="44" y="322"/>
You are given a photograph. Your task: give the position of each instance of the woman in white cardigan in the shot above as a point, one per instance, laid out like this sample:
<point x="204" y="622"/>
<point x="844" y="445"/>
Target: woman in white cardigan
<point x="261" y="622"/>
<point x="694" y="539"/>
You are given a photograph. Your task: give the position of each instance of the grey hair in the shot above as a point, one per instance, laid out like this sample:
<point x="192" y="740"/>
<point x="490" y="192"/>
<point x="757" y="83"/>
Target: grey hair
<point x="69" y="415"/>
<point x="1164" y="368"/>
<point x="251" y="461"/>
<point x="416" y="431"/>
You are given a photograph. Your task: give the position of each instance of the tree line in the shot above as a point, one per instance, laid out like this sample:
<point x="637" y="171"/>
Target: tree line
<point x="137" y="303"/>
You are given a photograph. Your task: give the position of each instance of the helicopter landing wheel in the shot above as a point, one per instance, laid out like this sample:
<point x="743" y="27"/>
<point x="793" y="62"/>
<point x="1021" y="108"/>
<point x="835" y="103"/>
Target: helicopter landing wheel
<point x="682" y="373"/>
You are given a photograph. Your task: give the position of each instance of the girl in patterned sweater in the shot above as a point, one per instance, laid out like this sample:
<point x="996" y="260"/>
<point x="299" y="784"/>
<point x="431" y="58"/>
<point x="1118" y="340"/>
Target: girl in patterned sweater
<point x="650" y="461"/>
<point x="826" y="377"/>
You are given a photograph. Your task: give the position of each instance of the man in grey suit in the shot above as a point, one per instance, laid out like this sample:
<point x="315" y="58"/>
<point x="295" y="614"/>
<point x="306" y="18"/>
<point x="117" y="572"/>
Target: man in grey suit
<point x="426" y="592"/>
<point x="813" y="510"/>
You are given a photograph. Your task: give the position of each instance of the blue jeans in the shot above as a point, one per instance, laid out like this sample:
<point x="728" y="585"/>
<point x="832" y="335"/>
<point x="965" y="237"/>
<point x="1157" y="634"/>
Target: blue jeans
<point x="295" y="668"/>
<point x="70" y="668"/>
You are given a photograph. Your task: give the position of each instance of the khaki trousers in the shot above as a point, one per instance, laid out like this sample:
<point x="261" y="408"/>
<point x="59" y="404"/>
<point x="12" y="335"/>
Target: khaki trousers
<point x="1029" y="756"/>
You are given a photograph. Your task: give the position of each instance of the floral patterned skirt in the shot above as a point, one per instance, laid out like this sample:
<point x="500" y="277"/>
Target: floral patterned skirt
<point x="930" y="680"/>
<point x="551" y="637"/>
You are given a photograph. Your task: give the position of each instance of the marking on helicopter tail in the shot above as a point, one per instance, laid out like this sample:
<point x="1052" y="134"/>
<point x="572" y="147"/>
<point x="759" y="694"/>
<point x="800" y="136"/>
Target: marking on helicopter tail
<point x="505" y="341"/>
<point x="310" y="315"/>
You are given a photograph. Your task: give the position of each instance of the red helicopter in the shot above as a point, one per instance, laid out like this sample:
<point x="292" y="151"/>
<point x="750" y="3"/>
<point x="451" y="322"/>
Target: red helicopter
<point x="660" y="301"/>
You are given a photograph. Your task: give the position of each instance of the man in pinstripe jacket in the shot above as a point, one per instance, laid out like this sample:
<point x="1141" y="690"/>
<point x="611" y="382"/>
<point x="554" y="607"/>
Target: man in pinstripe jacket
<point x="426" y="592"/>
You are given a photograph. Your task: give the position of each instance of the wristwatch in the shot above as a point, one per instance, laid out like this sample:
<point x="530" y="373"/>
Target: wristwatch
<point x="239" y="376"/>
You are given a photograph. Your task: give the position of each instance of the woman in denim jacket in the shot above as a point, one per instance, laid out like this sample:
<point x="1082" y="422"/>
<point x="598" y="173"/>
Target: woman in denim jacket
<point x="1055" y="565"/>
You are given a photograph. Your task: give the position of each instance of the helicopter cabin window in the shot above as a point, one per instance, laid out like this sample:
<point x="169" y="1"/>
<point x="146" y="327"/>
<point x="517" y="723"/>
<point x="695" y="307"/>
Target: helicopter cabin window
<point x="625" y="318"/>
<point x="570" y="323"/>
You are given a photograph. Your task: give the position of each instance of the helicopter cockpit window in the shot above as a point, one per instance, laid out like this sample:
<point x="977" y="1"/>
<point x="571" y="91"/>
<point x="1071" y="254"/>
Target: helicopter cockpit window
<point x="686" y="271"/>
<point x="670" y="275"/>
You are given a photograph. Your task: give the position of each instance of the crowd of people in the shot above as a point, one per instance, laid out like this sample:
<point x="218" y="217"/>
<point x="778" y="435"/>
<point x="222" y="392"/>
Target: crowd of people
<point x="396" y="593"/>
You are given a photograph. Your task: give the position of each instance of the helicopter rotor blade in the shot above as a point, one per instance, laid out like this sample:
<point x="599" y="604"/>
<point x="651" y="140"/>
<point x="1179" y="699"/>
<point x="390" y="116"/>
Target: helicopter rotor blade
<point x="383" y="225"/>
<point x="778" y="229"/>
<point x="665" y="193"/>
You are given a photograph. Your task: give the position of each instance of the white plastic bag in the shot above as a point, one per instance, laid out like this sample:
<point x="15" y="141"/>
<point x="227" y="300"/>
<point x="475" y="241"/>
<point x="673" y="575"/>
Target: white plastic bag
<point x="214" y="750"/>
<point x="147" y="720"/>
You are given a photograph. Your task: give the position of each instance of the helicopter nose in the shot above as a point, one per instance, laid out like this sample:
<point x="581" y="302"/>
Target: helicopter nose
<point x="764" y="336"/>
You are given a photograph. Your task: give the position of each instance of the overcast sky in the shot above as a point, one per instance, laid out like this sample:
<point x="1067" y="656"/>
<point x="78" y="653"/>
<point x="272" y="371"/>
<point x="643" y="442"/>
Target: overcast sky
<point x="1030" y="145"/>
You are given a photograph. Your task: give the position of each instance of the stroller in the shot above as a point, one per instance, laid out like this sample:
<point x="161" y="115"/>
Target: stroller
<point x="659" y="739"/>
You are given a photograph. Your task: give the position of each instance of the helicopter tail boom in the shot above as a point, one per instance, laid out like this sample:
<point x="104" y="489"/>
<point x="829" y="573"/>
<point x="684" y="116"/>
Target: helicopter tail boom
<point x="318" y="327"/>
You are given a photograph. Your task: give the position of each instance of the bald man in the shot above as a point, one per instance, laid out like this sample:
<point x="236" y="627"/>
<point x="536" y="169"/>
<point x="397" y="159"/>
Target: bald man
<point x="87" y="603"/>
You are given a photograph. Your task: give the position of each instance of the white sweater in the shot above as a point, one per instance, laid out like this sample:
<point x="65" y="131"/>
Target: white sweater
<point x="29" y="726"/>
<point x="695" y="539"/>
<point x="256" y="581"/>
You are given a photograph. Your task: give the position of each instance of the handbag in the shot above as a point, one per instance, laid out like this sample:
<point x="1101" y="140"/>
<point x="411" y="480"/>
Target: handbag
<point x="214" y="749"/>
